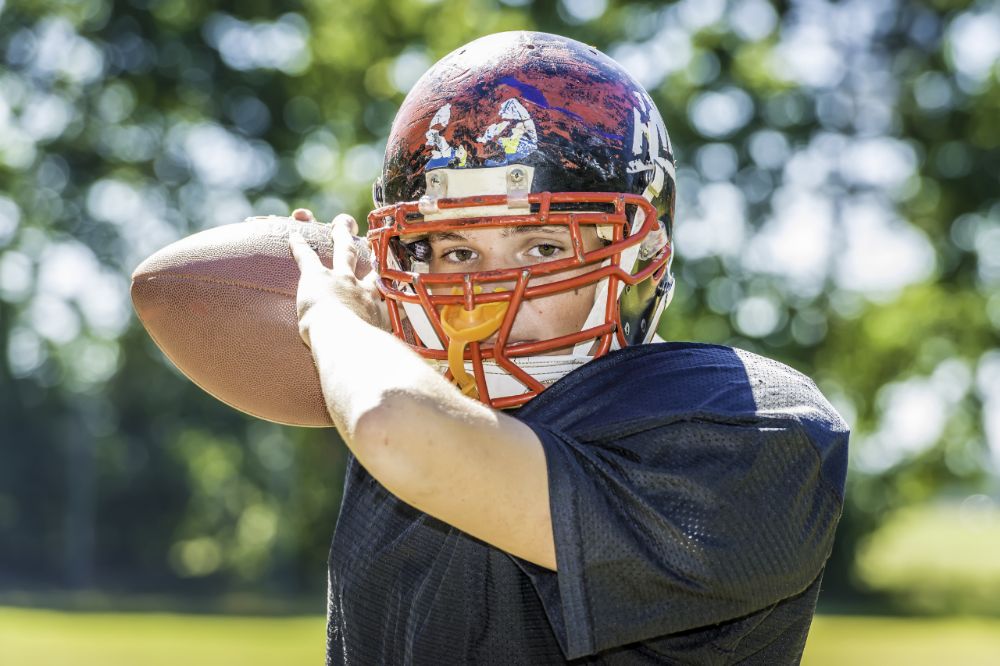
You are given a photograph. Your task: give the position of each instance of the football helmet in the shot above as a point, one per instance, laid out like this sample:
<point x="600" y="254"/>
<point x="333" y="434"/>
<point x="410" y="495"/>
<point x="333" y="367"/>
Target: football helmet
<point x="518" y="130"/>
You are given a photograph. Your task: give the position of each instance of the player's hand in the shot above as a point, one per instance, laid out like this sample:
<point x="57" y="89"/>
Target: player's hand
<point x="320" y="286"/>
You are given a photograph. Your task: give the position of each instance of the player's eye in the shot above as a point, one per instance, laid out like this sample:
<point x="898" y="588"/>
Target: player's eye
<point x="459" y="255"/>
<point x="545" y="250"/>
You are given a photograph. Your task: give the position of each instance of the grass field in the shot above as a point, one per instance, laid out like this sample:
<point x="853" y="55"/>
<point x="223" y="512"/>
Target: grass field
<point x="41" y="638"/>
<point x="852" y="640"/>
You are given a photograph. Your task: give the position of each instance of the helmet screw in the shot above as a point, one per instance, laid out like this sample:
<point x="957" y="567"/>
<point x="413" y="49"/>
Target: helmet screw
<point x="516" y="175"/>
<point x="435" y="179"/>
<point x="642" y="325"/>
<point x="626" y="328"/>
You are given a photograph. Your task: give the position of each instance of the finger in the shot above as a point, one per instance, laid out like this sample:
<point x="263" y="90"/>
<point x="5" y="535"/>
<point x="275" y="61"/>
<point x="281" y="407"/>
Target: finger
<point x="303" y="254"/>
<point x="303" y="215"/>
<point x="345" y="254"/>
<point x="344" y="218"/>
<point x="363" y="266"/>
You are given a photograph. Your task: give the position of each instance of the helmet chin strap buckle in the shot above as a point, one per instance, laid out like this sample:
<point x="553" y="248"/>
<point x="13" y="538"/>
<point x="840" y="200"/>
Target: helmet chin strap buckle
<point x="464" y="326"/>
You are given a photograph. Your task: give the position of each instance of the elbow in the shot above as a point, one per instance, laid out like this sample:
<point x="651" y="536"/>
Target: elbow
<point x="384" y="441"/>
<point x="373" y="435"/>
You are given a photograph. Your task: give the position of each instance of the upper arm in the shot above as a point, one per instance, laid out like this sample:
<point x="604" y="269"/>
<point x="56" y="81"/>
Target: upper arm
<point x="465" y="464"/>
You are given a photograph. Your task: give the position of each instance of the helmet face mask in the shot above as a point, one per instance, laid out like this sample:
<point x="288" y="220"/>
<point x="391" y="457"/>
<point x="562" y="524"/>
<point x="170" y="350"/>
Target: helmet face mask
<point x="518" y="131"/>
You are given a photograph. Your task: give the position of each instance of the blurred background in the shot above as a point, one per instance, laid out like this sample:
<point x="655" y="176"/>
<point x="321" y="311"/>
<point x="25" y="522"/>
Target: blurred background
<point x="839" y="210"/>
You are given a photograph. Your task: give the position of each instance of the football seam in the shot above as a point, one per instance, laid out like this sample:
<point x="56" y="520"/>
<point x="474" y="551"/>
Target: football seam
<point x="212" y="280"/>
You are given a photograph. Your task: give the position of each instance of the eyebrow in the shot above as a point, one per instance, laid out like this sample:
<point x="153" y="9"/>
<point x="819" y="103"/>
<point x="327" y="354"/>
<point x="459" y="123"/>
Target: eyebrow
<point x="523" y="229"/>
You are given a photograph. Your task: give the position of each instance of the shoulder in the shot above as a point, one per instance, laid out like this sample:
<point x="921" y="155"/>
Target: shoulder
<point x="661" y="384"/>
<point x="684" y="376"/>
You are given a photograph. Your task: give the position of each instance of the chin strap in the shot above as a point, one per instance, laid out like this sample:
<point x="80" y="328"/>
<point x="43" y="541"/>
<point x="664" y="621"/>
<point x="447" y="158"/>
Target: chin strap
<point x="465" y="326"/>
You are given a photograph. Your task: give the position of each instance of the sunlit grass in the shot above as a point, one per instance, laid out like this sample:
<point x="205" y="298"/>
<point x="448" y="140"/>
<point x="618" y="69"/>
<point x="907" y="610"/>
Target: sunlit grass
<point x="41" y="638"/>
<point x="838" y="640"/>
<point x="35" y="637"/>
<point x="937" y="559"/>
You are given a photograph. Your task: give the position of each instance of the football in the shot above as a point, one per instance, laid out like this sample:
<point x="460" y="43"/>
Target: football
<point x="220" y="304"/>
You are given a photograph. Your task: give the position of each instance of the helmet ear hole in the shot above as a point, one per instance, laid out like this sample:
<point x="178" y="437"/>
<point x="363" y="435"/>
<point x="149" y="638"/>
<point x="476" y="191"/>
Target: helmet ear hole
<point x="377" y="195"/>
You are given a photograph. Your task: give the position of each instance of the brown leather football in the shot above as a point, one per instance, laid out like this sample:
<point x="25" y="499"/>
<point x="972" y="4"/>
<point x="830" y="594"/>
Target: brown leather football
<point x="221" y="306"/>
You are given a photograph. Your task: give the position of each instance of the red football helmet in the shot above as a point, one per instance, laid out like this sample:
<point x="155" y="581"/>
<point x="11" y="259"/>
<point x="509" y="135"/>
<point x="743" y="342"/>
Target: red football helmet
<point x="518" y="130"/>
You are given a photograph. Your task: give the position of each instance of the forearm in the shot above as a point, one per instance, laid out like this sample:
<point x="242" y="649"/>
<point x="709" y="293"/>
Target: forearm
<point x="450" y="456"/>
<point x="443" y="453"/>
<point x="362" y="368"/>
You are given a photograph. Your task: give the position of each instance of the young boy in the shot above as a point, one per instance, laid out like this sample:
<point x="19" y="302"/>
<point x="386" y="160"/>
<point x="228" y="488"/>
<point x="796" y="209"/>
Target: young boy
<point x="534" y="478"/>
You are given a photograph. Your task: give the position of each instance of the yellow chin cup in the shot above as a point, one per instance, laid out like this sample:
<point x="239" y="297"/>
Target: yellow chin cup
<point x="465" y="326"/>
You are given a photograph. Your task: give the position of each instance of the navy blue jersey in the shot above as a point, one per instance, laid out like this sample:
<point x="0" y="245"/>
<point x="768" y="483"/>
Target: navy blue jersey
<point x="694" y="491"/>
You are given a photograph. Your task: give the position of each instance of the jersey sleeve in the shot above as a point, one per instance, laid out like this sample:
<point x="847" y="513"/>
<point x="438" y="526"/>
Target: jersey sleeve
<point x="664" y="528"/>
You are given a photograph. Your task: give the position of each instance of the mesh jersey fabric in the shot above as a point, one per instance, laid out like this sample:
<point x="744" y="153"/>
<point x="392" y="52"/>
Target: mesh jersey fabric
<point x="694" y="490"/>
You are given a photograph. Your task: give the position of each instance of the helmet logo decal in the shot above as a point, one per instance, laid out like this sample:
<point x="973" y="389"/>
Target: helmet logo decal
<point x="648" y="129"/>
<point x="441" y="152"/>
<point x="535" y="96"/>
<point x="515" y="133"/>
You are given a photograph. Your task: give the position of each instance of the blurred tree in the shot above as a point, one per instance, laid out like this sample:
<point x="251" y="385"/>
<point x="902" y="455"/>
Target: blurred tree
<point x="838" y="210"/>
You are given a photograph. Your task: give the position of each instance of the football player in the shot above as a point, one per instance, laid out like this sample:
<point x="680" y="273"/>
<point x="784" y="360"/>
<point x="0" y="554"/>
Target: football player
<point x="534" y="476"/>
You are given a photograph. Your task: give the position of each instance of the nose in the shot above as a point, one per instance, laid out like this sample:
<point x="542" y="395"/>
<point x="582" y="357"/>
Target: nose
<point x="495" y="261"/>
<point x="495" y="258"/>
